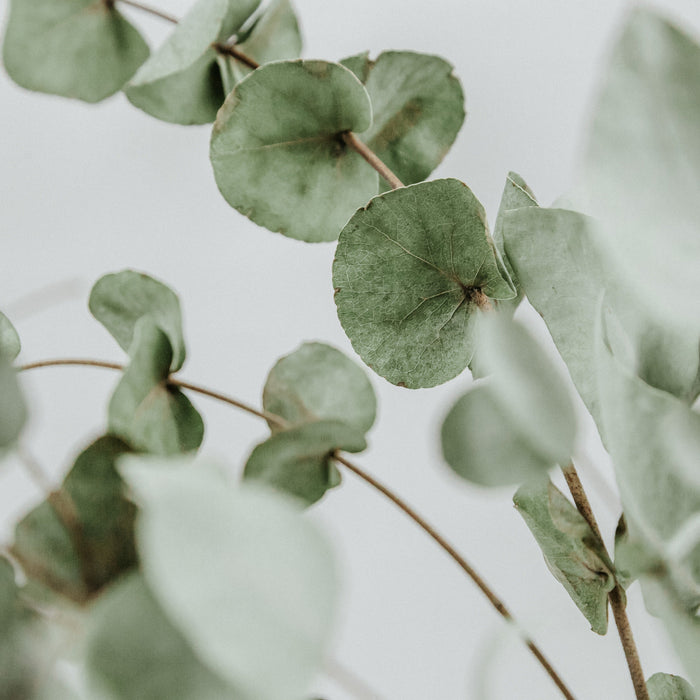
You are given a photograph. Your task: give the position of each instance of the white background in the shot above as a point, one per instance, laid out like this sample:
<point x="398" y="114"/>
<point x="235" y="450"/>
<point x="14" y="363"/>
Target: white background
<point x="86" y="190"/>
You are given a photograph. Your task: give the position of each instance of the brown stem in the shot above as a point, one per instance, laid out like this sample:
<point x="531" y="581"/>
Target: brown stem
<point x="616" y="596"/>
<point x="371" y="157"/>
<point x="459" y="560"/>
<point x="232" y="50"/>
<point x="146" y="8"/>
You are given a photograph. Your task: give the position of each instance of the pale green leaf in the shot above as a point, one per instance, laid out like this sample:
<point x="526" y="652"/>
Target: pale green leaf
<point x="13" y="409"/>
<point x="318" y="382"/>
<point x="642" y="163"/>
<point x="274" y="37"/>
<point x="145" y="410"/>
<point x="118" y="301"/>
<point x="9" y="339"/>
<point x="181" y="81"/>
<point x="74" y="48"/>
<point x="409" y="268"/>
<point x="294" y="175"/>
<point x="572" y="551"/>
<point x="298" y="461"/>
<point x="240" y="573"/>
<point x="417" y="107"/>
<point x="517" y="424"/>
<point x="664" y="686"/>
<point x="134" y="651"/>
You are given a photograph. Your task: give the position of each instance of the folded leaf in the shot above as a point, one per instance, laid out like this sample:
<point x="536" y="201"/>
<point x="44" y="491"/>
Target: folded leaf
<point x="573" y="553"/>
<point x="298" y="461"/>
<point x="74" y="48"/>
<point x="294" y="175"/>
<point x="409" y="271"/>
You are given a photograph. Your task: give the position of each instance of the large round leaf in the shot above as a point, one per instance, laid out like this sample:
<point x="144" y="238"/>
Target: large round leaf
<point x="417" y="108"/>
<point x="245" y="578"/>
<point x="410" y="270"/>
<point x="181" y="81"/>
<point x="277" y="150"/>
<point x="75" y="48"/>
<point x="318" y="382"/>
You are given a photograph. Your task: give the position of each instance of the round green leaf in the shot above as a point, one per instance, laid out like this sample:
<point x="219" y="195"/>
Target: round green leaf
<point x="9" y="339"/>
<point x="294" y="175"/>
<point x="245" y="578"/>
<point x="407" y="272"/>
<point x="181" y="81"/>
<point x="298" y="461"/>
<point x="145" y="410"/>
<point x="275" y="36"/>
<point x="75" y="48"/>
<point x="417" y="107"/>
<point x="318" y="382"/>
<point x="118" y="301"/>
<point x="665" y="686"/>
<point x="134" y="651"/>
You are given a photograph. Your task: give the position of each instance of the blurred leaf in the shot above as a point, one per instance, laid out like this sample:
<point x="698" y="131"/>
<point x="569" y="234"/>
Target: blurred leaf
<point x="134" y="651"/>
<point x="74" y="48"/>
<point x="518" y="424"/>
<point x="572" y="551"/>
<point x="9" y="339"/>
<point x="181" y="81"/>
<point x="248" y="582"/>
<point x="408" y="269"/>
<point x="118" y="301"/>
<point x="298" y="461"/>
<point x="642" y="162"/>
<point x="318" y="382"/>
<point x="145" y="410"/>
<point x="275" y="36"/>
<point x="294" y="175"/>
<point x="417" y="108"/>
<point x="13" y="410"/>
<point x="664" y="686"/>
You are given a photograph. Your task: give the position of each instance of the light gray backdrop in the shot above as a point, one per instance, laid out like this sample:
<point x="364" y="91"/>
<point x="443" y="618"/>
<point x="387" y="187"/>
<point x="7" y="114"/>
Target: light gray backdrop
<point x="88" y="190"/>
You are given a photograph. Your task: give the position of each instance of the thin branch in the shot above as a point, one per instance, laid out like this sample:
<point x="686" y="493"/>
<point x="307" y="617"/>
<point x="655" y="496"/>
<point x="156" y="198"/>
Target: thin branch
<point x="367" y="478"/>
<point x="616" y="596"/>
<point x="232" y="50"/>
<point x="43" y="298"/>
<point x="147" y="8"/>
<point x="459" y="560"/>
<point x="372" y="158"/>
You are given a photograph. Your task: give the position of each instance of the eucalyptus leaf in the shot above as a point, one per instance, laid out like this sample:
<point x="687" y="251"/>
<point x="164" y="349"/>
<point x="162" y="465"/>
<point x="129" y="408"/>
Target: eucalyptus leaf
<point x="248" y="582"/>
<point x="275" y="36"/>
<point x="664" y="686"/>
<point x="9" y="339"/>
<point x="145" y="410"/>
<point x="318" y="382"/>
<point x="417" y="107"/>
<point x="299" y="461"/>
<point x="517" y="424"/>
<point x="74" y="48"/>
<point x="409" y="270"/>
<point x="642" y="162"/>
<point x="134" y="651"/>
<point x="181" y="82"/>
<point x="118" y="301"/>
<point x="572" y="551"/>
<point x="294" y="175"/>
<point x="13" y="409"/>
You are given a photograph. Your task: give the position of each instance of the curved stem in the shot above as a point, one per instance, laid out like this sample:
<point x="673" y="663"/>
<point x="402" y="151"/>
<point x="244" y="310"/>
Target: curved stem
<point x="364" y="476"/>
<point x="372" y="158"/>
<point x="616" y="596"/>
<point x="147" y="8"/>
<point x="232" y="50"/>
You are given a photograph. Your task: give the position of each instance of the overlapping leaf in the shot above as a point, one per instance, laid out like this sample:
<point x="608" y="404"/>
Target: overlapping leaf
<point x="118" y="301"/>
<point x="74" y="48"/>
<point x="410" y="270"/>
<point x="246" y="580"/>
<point x="417" y="108"/>
<point x="294" y="175"/>
<point x="572" y="551"/>
<point x="517" y="424"/>
<point x="665" y="686"/>
<point x="147" y="411"/>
